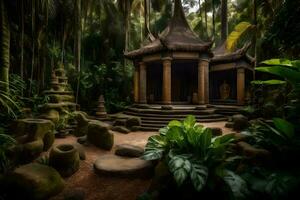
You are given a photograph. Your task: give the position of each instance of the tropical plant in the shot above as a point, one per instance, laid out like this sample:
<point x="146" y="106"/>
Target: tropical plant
<point x="6" y="142"/>
<point x="193" y="155"/>
<point x="289" y="72"/>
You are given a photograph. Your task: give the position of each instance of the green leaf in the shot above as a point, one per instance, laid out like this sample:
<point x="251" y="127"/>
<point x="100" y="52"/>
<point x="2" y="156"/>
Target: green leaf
<point x="223" y="139"/>
<point x="155" y="147"/>
<point x="180" y="166"/>
<point x="237" y="185"/>
<point x="163" y="131"/>
<point x="198" y="175"/>
<point x="174" y="123"/>
<point x="268" y="82"/>
<point x="205" y="140"/>
<point x="239" y="31"/>
<point x="284" y="127"/>
<point x="189" y="122"/>
<point x="291" y="75"/>
<point x="281" y="62"/>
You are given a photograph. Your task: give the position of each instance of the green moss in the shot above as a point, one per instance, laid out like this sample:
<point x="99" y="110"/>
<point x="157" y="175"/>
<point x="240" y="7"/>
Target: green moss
<point x="99" y="135"/>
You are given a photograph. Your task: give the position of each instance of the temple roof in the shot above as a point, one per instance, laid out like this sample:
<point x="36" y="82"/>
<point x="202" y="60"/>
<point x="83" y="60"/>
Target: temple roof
<point x="177" y="36"/>
<point x="222" y="55"/>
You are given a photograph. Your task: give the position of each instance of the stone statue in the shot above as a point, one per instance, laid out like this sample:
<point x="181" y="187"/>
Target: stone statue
<point x="224" y="90"/>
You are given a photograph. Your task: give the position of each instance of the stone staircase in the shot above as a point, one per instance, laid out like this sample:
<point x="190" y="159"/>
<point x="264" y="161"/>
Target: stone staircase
<point x="155" y="117"/>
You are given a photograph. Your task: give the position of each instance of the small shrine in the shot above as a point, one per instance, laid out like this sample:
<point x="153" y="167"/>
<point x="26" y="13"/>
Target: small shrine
<point x="177" y="67"/>
<point x="60" y="97"/>
<point x="101" y="112"/>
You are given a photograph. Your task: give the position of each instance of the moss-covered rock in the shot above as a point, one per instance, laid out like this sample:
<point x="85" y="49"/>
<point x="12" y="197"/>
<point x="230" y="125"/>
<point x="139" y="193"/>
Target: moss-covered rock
<point x="33" y="181"/>
<point x="31" y="150"/>
<point x="120" y="122"/>
<point x="120" y="129"/>
<point x="240" y="122"/>
<point x="133" y="121"/>
<point x="82" y="123"/>
<point x="65" y="159"/>
<point x="99" y="135"/>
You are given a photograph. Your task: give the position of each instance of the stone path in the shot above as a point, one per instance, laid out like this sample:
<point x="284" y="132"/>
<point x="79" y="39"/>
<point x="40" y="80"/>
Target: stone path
<point x="96" y="187"/>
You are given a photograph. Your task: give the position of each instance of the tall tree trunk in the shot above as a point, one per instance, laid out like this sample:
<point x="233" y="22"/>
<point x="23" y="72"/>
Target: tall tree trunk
<point x="78" y="44"/>
<point x="224" y="23"/>
<point x="146" y="17"/>
<point x="254" y="13"/>
<point x="33" y="44"/>
<point x="213" y="19"/>
<point x="22" y="42"/>
<point x="205" y="10"/>
<point x="5" y="48"/>
<point x="201" y="18"/>
<point x="127" y="24"/>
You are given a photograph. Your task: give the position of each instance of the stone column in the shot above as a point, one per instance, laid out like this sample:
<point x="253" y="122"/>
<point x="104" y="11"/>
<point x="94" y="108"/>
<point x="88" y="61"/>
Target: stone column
<point x="143" y="83"/>
<point x="166" y="87"/>
<point x="136" y="80"/>
<point x="203" y="81"/>
<point x="240" y="86"/>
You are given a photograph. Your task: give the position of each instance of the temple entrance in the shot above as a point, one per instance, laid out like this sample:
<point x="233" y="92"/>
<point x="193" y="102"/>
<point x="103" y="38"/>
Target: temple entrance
<point x="184" y="81"/>
<point x="154" y="83"/>
<point x="223" y="86"/>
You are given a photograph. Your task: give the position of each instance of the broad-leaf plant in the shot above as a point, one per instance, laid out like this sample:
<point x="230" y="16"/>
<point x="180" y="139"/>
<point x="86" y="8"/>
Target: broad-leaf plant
<point x="193" y="155"/>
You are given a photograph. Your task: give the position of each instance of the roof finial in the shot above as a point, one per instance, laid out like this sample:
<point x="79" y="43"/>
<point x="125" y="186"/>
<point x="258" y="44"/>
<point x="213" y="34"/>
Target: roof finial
<point x="178" y="14"/>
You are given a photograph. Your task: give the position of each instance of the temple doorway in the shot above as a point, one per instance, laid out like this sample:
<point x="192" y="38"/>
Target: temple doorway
<point x="184" y="81"/>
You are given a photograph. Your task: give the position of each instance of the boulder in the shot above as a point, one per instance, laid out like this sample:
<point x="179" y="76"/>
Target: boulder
<point x="255" y="154"/>
<point x="99" y="135"/>
<point x="120" y="129"/>
<point x="112" y="165"/>
<point x="65" y="159"/>
<point x="120" y="122"/>
<point x="229" y="125"/>
<point x="240" y="122"/>
<point x="135" y="128"/>
<point x="133" y="121"/>
<point x="129" y="150"/>
<point x="82" y="140"/>
<point x="82" y="123"/>
<point x="216" y="131"/>
<point x="33" y="181"/>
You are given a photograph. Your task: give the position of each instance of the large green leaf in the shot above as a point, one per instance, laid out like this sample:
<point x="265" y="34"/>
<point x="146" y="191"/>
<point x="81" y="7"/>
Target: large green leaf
<point x="284" y="127"/>
<point x="237" y="185"/>
<point x="175" y="134"/>
<point x="189" y="122"/>
<point x="163" y="131"/>
<point x="281" y="62"/>
<point x="198" y="175"/>
<point x="239" y="31"/>
<point x="291" y="75"/>
<point x="205" y="141"/>
<point x="180" y="166"/>
<point x="268" y="82"/>
<point x="174" y="123"/>
<point x="155" y="147"/>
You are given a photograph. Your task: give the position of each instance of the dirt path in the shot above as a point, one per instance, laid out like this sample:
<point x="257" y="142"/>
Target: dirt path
<point x="109" y="188"/>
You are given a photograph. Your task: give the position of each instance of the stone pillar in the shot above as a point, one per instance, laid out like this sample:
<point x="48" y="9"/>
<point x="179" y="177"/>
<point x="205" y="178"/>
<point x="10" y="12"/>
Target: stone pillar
<point x="240" y="86"/>
<point x="136" y="80"/>
<point x="203" y="81"/>
<point x="166" y="87"/>
<point x="143" y="83"/>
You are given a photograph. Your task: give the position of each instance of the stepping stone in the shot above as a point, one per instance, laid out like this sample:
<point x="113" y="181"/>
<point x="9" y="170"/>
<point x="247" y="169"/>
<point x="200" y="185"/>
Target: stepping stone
<point x="216" y="131"/>
<point x="128" y="150"/>
<point x="111" y="165"/>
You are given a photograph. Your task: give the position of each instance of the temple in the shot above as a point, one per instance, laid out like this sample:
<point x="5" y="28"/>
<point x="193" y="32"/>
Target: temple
<point x="177" y="67"/>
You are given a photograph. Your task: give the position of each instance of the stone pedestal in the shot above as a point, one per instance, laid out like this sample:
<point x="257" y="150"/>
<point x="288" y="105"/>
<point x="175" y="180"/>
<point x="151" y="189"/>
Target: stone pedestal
<point x="203" y="81"/>
<point x="166" y="90"/>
